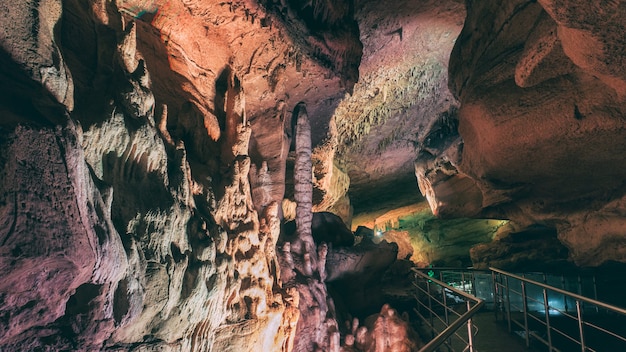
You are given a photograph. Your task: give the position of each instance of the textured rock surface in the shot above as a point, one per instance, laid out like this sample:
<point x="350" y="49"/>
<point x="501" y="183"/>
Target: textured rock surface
<point x="354" y="276"/>
<point x="541" y="86"/>
<point x="386" y="331"/>
<point x="531" y="249"/>
<point x="401" y="93"/>
<point x="429" y="240"/>
<point x="144" y="158"/>
<point x="127" y="207"/>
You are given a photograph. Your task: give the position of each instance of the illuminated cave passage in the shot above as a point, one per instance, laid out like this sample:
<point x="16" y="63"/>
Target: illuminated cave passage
<point x="155" y="163"/>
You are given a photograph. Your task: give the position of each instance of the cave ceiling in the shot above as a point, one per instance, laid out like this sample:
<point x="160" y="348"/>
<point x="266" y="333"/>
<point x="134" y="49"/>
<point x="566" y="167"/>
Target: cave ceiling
<point x="376" y="73"/>
<point x="502" y="114"/>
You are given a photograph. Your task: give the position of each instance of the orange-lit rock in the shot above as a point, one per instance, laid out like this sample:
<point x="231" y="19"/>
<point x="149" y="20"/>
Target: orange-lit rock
<point x="385" y="331"/>
<point x="145" y="168"/>
<point x="541" y="118"/>
<point x="401" y="93"/>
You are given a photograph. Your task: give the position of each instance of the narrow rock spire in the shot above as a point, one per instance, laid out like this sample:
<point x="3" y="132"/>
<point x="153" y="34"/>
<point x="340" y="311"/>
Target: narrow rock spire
<point x="303" y="183"/>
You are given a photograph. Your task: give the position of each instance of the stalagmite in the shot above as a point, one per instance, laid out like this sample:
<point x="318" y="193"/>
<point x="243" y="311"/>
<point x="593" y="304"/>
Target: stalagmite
<point x="322" y="252"/>
<point x="303" y="179"/>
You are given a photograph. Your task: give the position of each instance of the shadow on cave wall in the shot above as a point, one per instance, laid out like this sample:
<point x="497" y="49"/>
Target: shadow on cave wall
<point x="24" y="100"/>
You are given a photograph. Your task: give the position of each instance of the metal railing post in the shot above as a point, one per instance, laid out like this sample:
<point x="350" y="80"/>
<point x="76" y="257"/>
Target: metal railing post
<point x="463" y="282"/>
<point x="430" y="309"/>
<point x="564" y="296"/>
<point x="445" y="311"/>
<point x="595" y="291"/>
<point x="579" y="314"/>
<point x="453" y="330"/>
<point x="470" y="337"/>
<point x="525" y="307"/>
<point x="508" y="302"/>
<point x="580" y="286"/>
<point x="495" y="294"/>
<point x="445" y="305"/>
<point x="558" y="333"/>
<point x="546" y="304"/>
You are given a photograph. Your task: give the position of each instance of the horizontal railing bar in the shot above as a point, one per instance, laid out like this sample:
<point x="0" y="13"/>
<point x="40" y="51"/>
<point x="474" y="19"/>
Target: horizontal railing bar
<point x="453" y="269"/>
<point x="566" y="314"/>
<point x="498" y="276"/>
<point x="444" y="335"/>
<point x="567" y="293"/>
<point x="519" y="293"/>
<point x="435" y="314"/>
<point x="528" y="297"/>
<point x="566" y="335"/>
<point x="541" y="339"/>
<point x="450" y="330"/>
<point x="591" y="325"/>
<point x="562" y="312"/>
<point x="519" y="324"/>
<point x="513" y="305"/>
<point x="455" y="312"/>
<point x="441" y="283"/>
<point x="537" y="319"/>
<point x="433" y="328"/>
<point x="456" y="334"/>
<point x="425" y="320"/>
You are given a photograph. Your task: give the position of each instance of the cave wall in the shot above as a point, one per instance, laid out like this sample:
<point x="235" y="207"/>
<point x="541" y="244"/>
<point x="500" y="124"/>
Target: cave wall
<point x="132" y="151"/>
<point x="541" y="88"/>
<point x="144" y="154"/>
<point x="427" y="240"/>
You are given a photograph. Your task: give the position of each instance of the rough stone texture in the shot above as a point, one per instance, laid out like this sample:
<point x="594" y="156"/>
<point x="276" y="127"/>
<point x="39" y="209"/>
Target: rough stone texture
<point x="541" y="86"/>
<point x="401" y="93"/>
<point x="325" y="227"/>
<point x="431" y="240"/>
<point x="354" y="276"/>
<point x="402" y="239"/>
<point x="30" y="39"/>
<point x="61" y="260"/>
<point x="385" y="331"/>
<point x="522" y="250"/>
<point x="330" y="182"/>
<point x="145" y="143"/>
<point x="128" y="220"/>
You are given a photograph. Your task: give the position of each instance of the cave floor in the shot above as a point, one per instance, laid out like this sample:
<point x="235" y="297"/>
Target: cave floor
<point x="493" y="336"/>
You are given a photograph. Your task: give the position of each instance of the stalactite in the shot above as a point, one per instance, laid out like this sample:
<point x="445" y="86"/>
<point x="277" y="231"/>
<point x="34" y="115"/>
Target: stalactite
<point x="237" y="134"/>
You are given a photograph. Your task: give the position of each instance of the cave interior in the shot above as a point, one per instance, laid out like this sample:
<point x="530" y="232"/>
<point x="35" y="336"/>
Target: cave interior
<point x="200" y="175"/>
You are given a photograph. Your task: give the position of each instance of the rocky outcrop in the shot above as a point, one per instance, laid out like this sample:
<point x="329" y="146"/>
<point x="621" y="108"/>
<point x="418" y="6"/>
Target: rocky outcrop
<point x="425" y="238"/>
<point x="325" y="227"/>
<point x="522" y="250"/>
<point x="541" y="123"/>
<point x="354" y="276"/>
<point x="382" y="332"/>
<point x="401" y="93"/>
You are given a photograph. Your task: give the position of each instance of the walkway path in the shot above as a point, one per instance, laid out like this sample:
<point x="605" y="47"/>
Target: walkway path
<point x="494" y="337"/>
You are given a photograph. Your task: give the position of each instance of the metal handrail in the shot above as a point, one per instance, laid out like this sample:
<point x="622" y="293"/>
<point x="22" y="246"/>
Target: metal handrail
<point x="580" y="301"/>
<point x="563" y="292"/>
<point x="465" y="318"/>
